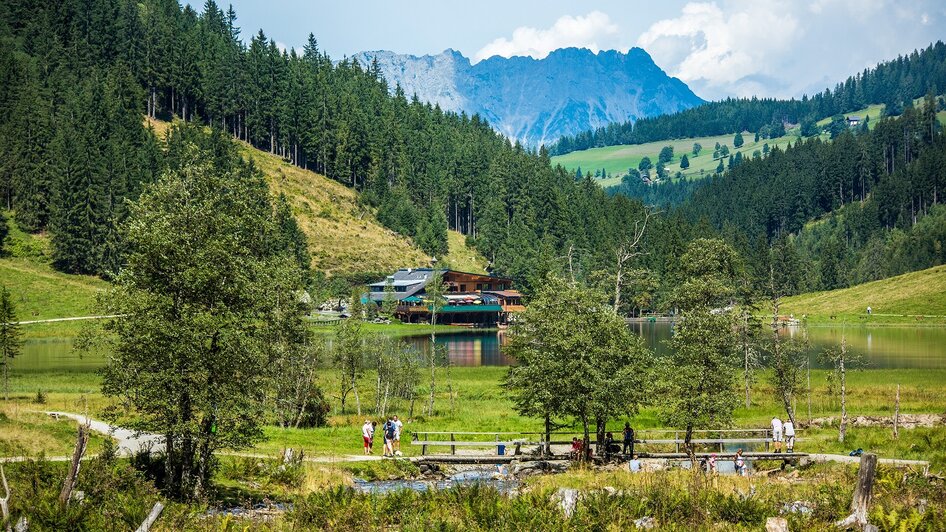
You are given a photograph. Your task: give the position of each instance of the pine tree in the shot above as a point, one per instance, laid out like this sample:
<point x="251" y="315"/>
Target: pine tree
<point x="10" y="341"/>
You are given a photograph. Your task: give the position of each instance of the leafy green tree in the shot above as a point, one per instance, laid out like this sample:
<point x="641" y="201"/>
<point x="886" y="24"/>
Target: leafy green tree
<point x="720" y="168"/>
<point x="433" y="298"/>
<point x="699" y="388"/>
<point x="298" y="401"/>
<point x="199" y="298"/>
<point x="697" y="148"/>
<point x="349" y="358"/>
<point x="10" y="341"/>
<point x="698" y="380"/>
<point x="645" y="164"/>
<point x="738" y="141"/>
<point x="684" y="162"/>
<point x="575" y="358"/>
<point x="666" y="155"/>
<point x="389" y="303"/>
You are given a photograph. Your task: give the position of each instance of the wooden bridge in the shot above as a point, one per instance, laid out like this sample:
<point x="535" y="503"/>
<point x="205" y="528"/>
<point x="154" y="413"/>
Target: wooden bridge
<point x="648" y="443"/>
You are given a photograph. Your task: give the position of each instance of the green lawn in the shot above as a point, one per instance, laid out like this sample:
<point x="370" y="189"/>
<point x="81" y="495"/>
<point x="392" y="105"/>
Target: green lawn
<point x="914" y="298"/>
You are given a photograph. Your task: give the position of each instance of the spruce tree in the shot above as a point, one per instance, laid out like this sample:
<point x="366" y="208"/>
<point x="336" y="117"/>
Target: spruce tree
<point x="10" y="341"/>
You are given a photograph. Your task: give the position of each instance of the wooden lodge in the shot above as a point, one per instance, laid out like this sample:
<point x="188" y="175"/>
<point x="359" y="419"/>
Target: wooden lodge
<point x="477" y="300"/>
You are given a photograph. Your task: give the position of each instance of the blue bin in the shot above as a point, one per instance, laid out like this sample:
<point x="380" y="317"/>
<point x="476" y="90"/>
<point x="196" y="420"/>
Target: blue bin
<point x="500" y="450"/>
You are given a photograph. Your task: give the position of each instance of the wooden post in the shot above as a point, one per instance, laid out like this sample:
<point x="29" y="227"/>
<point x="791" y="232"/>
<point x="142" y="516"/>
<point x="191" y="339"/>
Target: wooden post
<point x="676" y="440"/>
<point x="896" y="415"/>
<point x="453" y="448"/>
<point x="862" y="492"/>
<point x="423" y="448"/>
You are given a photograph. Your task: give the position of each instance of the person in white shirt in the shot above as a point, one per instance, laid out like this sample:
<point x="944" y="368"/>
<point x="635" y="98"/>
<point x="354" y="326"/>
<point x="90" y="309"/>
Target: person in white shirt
<point x="777" y="433"/>
<point x="397" y="434"/>
<point x="789" y="429"/>
<point x="367" y="433"/>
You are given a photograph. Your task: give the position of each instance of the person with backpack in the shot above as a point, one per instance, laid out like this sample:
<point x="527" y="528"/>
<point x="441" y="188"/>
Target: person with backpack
<point x="389" y="429"/>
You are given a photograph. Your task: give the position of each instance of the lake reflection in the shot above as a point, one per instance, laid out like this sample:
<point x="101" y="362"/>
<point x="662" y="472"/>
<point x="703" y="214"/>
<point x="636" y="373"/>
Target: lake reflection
<point x="882" y="347"/>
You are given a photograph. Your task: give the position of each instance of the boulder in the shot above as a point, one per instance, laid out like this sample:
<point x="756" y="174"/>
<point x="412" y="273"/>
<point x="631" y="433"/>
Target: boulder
<point x="567" y="500"/>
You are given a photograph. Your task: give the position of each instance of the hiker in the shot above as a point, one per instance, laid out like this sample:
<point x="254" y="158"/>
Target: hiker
<point x="397" y="435"/>
<point x="777" y="433"/>
<point x="740" y="464"/>
<point x="374" y="425"/>
<point x="367" y="431"/>
<point x="628" y="440"/>
<point x="388" y="428"/>
<point x="789" y="429"/>
<point x="711" y="464"/>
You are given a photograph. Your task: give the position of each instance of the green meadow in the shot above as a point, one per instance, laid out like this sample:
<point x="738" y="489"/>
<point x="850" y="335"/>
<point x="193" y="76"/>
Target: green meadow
<point x="917" y="298"/>
<point x="617" y="159"/>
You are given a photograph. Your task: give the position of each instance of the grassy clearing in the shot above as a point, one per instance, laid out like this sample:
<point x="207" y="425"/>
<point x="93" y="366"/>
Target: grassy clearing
<point x="912" y="298"/>
<point x="39" y="292"/>
<point x="462" y="257"/>
<point x="874" y="112"/>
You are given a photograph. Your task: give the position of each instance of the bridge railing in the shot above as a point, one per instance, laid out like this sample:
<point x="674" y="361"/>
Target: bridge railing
<point x="642" y="437"/>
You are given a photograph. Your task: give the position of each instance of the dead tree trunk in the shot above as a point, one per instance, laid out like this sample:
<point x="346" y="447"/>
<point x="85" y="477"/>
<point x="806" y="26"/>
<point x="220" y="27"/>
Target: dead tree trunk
<point x="82" y="440"/>
<point x="5" y="500"/>
<point x="862" y="493"/>
<point x="843" y="429"/>
<point x="896" y="415"/>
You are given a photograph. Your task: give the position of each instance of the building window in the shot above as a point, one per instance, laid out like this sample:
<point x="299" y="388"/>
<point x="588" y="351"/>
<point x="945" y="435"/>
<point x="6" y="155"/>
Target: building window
<point x="479" y="286"/>
<point x="463" y="288"/>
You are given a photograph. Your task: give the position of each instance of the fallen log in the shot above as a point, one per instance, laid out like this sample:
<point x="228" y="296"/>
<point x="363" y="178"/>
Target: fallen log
<point x="152" y="517"/>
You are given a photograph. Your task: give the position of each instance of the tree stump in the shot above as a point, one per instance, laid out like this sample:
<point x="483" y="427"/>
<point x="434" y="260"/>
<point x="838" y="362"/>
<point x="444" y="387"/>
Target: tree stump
<point x="862" y="493"/>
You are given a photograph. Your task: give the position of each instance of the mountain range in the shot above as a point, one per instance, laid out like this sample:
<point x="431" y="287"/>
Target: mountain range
<point x="536" y="101"/>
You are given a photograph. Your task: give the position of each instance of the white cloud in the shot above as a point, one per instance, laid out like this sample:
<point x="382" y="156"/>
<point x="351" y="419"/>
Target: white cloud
<point x="723" y="48"/>
<point x="581" y="31"/>
<point x="783" y="48"/>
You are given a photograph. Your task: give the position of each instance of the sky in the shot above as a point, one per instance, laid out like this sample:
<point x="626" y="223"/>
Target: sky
<point x="720" y="48"/>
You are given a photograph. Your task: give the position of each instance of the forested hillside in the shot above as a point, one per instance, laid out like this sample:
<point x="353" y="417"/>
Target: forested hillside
<point x="876" y="195"/>
<point x="894" y="83"/>
<point x="78" y="76"/>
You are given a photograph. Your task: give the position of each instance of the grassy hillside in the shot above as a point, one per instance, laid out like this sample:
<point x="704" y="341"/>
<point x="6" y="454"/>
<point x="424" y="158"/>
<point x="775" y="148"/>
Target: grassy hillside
<point x="39" y="292"/>
<point x="462" y="257"/>
<point x="343" y="236"/>
<point x="917" y="297"/>
<point x="617" y="159"/>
